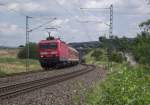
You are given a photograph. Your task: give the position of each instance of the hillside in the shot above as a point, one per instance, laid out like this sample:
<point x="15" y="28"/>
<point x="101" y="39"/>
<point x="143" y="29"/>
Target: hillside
<point x="91" y="44"/>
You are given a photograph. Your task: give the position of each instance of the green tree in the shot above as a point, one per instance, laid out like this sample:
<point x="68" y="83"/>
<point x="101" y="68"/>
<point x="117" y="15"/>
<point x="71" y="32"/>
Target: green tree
<point x="141" y="48"/>
<point x="141" y="45"/>
<point x="33" y="51"/>
<point x="145" y="26"/>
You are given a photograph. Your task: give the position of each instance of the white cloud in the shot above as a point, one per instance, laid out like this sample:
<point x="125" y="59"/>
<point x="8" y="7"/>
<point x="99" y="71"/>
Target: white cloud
<point x="68" y="13"/>
<point x="10" y="29"/>
<point x="28" y="7"/>
<point x="102" y="3"/>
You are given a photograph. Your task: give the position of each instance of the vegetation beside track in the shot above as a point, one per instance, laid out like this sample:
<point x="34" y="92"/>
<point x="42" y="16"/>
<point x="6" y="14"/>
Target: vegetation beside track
<point x="9" y="63"/>
<point x="123" y="85"/>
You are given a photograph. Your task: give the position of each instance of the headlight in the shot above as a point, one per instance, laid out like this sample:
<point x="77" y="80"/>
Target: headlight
<point x="41" y="56"/>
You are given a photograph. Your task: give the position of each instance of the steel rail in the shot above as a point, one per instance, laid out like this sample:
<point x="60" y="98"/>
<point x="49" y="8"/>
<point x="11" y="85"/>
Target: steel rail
<point x="16" y="89"/>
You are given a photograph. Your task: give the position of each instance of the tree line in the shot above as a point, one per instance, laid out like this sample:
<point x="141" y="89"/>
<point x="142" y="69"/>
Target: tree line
<point x="138" y="46"/>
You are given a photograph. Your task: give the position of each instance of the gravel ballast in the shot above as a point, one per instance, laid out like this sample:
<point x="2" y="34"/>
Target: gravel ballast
<point x="63" y="93"/>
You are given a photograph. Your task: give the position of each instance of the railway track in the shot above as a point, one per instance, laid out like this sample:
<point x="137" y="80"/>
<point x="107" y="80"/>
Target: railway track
<point x="16" y="89"/>
<point x="25" y="73"/>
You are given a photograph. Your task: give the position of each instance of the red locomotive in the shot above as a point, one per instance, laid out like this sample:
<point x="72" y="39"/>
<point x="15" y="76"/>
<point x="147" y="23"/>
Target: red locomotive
<point x="54" y="52"/>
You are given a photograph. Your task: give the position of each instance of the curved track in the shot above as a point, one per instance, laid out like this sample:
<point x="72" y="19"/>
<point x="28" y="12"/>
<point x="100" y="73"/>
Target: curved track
<point x="16" y="89"/>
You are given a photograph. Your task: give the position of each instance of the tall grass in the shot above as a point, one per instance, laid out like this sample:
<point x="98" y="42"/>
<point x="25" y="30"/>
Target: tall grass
<point x="10" y="65"/>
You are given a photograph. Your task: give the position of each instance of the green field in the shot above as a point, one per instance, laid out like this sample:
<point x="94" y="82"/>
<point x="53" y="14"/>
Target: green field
<point x="10" y="64"/>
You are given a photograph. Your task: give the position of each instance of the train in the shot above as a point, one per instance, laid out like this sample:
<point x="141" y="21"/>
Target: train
<point x="54" y="52"/>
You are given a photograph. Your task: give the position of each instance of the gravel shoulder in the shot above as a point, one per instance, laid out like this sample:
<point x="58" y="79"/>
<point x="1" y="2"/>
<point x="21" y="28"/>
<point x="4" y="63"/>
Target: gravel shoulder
<point x="60" y="94"/>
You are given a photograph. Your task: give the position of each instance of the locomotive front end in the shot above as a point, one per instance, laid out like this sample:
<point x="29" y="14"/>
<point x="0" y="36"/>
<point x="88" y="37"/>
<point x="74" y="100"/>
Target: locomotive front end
<point x="48" y="53"/>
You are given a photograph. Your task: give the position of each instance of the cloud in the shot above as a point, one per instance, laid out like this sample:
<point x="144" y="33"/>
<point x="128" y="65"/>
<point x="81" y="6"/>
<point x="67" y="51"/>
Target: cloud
<point x="10" y="29"/>
<point x="102" y="3"/>
<point x="69" y="15"/>
<point x="28" y="7"/>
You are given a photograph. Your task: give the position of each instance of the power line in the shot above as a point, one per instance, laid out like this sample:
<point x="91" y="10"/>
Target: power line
<point x="42" y="25"/>
<point x="93" y="8"/>
<point x="132" y="14"/>
<point x="86" y="29"/>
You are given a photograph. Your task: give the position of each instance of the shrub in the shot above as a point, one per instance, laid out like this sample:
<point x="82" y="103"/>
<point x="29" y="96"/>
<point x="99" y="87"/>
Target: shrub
<point x="33" y="51"/>
<point x="116" y="57"/>
<point x="122" y="87"/>
<point x="141" y="48"/>
<point x="97" y="54"/>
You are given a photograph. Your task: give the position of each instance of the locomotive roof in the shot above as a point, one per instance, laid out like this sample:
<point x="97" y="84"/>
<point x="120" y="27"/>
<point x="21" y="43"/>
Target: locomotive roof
<point x="46" y="41"/>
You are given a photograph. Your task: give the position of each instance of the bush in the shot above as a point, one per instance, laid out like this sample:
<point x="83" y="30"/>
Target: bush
<point x="33" y="51"/>
<point x="141" y="48"/>
<point x="97" y="54"/>
<point x="116" y="57"/>
<point x="122" y="87"/>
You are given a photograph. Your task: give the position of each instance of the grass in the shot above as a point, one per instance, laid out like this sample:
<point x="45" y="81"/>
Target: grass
<point x="10" y="64"/>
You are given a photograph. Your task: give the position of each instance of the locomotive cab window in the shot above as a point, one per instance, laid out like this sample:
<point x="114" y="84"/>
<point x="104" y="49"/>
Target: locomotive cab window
<point x="44" y="46"/>
<point x="48" y="46"/>
<point x="52" y="45"/>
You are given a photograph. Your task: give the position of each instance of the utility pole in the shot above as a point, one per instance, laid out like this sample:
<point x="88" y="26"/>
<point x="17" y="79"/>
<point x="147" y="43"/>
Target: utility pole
<point x="27" y="43"/>
<point x="109" y="49"/>
<point x="111" y="21"/>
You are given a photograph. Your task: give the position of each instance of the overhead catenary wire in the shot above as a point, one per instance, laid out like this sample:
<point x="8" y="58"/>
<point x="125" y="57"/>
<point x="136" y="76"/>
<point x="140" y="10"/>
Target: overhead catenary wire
<point x="86" y="29"/>
<point x="42" y="25"/>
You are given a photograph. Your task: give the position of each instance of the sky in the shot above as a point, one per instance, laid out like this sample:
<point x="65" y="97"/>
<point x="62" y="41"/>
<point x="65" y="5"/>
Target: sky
<point x="73" y="23"/>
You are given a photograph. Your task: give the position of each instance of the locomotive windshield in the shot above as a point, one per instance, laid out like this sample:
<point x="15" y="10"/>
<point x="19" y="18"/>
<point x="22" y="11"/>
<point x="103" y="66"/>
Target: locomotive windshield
<point x="48" y="46"/>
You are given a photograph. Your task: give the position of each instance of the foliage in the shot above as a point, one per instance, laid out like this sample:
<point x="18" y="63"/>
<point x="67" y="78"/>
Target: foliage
<point x="97" y="54"/>
<point x="123" y="86"/>
<point x="116" y="57"/>
<point x="115" y="43"/>
<point x="145" y="26"/>
<point x="100" y="55"/>
<point x="141" y="48"/>
<point x="33" y="51"/>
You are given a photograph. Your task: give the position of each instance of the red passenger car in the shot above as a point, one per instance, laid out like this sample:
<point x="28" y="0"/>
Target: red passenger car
<point x="54" y="52"/>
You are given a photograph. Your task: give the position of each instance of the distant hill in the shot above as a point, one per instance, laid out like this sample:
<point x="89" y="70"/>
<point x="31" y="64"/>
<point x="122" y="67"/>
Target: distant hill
<point x="85" y="45"/>
<point x="7" y="47"/>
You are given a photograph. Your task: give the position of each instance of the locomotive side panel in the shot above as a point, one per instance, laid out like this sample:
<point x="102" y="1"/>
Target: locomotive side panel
<point x="73" y="55"/>
<point x="63" y="52"/>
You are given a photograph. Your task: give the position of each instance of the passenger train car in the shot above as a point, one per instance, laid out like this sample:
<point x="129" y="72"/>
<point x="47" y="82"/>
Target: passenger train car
<point x="54" y="52"/>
